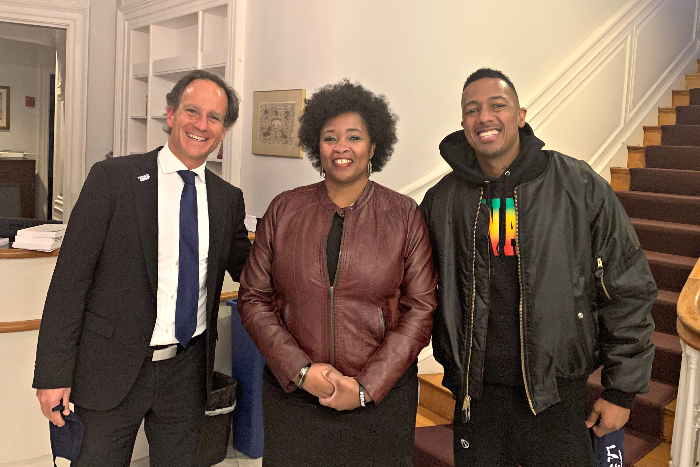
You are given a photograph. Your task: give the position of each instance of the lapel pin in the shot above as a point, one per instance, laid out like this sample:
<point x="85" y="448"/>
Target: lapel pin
<point x="145" y="177"/>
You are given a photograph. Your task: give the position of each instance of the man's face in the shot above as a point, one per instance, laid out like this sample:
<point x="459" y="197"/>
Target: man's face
<point x="198" y="122"/>
<point x="491" y="116"/>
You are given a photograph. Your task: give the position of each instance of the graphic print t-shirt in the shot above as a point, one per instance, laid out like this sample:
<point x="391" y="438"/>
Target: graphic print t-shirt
<point x="496" y="237"/>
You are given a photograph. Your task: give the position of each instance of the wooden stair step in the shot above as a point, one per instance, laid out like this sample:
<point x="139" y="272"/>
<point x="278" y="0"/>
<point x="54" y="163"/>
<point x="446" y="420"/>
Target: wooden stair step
<point x="425" y="417"/>
<point x="680" y="98"/>
<point x="435" y="397"/>
<point x="661" y="206"/>
<point x="670" y="271"/>
<point x="652" y="135"/>
<point x="658" y="457"/>
<point x="667" y="116"/>
<point x="692" y="81"/>
<point x="636" y="157"/>
<point x="620" y="178"/>
<point x="671" y="181"/>
<point x="669" y="417"/>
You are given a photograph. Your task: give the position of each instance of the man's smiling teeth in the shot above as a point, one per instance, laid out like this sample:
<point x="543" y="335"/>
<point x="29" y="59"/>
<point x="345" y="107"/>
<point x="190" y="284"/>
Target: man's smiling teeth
<point x="195" y="137"/>
<point x="489" y="133"/>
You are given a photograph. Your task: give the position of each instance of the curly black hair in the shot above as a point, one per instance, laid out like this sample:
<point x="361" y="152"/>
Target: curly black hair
<point x="336" y="99"/>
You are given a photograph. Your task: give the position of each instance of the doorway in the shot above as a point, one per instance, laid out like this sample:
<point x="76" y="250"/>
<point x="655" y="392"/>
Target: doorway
<point x="27" y="65"/>
<point x="68" y="20"/>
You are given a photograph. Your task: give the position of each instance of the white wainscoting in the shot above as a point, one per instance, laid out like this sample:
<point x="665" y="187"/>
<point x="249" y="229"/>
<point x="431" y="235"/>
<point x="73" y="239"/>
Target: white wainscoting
<point x="590" y="104"/>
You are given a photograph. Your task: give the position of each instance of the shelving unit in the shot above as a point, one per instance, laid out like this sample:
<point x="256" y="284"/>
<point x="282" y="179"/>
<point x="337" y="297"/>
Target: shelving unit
<point x="160" y="42"/>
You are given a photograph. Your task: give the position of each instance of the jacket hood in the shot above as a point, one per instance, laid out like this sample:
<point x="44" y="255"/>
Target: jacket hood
<point x="529" y="164"/>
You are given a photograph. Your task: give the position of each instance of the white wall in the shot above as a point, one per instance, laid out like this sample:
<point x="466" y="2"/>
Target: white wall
<point x="588" y="71"/>
<point x="25" y="67"/>
<point x="100" y="85"/>
<point x="20" y="69"/>
<point x="416" y="53"/>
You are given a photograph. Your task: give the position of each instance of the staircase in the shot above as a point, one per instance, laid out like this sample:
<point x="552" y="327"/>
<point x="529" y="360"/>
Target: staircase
<point x="660" y="190"/>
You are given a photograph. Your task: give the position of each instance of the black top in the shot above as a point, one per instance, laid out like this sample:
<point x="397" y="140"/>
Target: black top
<point x="335" y="237"/>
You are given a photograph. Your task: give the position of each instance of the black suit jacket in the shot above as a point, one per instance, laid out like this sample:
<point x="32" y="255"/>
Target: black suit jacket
<point x="100" y="310"/>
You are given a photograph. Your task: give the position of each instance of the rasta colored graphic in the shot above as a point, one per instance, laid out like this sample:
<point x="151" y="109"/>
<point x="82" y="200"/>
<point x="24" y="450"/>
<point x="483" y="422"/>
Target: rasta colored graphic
<point x="495" y="224"/>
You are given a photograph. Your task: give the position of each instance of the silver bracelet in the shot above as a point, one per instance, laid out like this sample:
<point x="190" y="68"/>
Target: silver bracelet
<point x="362" y="396"/>
<point x="302" y="376"/>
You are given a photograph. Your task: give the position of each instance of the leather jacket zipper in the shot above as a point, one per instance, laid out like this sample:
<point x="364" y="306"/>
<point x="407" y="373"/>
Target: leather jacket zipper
<point x="382" y="322"/>
<point x="331" y="307"/>
<point x="466" y="404"/>
<point x="521" y="311"/>
<point x="599" y="275"/>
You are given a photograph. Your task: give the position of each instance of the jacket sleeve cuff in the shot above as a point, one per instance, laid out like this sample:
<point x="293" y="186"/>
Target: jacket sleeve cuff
<point x="619" y="398"/>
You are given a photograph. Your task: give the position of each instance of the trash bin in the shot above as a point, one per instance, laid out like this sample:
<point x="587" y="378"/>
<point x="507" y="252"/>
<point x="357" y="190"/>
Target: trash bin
<point x="247" y="367"/>
<point x="216" y="427"/>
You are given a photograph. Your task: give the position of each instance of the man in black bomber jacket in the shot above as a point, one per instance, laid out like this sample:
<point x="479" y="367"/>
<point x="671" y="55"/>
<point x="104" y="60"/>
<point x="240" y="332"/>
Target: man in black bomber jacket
<point x="541" y="280"/>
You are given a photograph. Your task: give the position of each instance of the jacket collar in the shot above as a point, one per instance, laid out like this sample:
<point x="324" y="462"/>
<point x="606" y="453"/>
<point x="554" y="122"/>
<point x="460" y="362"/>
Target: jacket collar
<point x="359" y="203"/>
<point x="146" y="205"/>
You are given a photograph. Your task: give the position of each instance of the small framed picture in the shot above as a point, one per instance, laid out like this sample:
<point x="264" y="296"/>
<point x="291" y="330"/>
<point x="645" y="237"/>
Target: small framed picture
<point x="4" y="107"/>
<point x="276" y="122"/>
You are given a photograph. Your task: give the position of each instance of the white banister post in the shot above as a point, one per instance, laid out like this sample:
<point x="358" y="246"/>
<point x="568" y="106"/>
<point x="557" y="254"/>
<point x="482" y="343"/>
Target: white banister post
<point x="688" y="410"/>
<point x="680" y="402"/>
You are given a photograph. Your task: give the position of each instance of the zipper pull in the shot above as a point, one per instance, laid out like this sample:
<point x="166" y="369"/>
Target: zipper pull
<point x="599" y="275"/>
<point x="599" y="270"/>
<point x="466" y="409"/>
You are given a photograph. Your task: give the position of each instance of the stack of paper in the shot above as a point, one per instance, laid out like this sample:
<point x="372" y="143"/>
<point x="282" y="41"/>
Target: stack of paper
<point x="45" y="237"/>
<point x="4" y="241"/>
<point x="12" y="155"/>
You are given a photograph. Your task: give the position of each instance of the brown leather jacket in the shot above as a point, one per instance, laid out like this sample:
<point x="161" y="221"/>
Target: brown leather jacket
<point x="378" y="315"/>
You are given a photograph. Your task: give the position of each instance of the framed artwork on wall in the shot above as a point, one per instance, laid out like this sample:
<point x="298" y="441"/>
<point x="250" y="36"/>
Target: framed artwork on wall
<point x="276" y="122"/>
<point x="4" y="107"/>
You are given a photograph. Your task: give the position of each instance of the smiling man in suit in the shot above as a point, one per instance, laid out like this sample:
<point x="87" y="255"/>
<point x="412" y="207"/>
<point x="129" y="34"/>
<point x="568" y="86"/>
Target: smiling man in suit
<point x="129" y="325"/>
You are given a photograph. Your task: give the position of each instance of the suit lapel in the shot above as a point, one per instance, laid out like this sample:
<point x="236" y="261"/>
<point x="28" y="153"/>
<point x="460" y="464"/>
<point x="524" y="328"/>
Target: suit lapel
<point x="217" y="219"/>
<point x="145" y="185"/>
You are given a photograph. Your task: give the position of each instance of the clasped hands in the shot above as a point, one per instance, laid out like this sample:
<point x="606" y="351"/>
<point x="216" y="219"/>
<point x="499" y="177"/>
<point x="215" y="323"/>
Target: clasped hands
<point x="332" y="388"/>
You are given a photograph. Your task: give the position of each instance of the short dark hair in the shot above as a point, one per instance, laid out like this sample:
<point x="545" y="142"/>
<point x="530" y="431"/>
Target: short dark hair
<point x="482" y="73"/>
<point x="336" y="99"/>
<point x="173" y="97"/>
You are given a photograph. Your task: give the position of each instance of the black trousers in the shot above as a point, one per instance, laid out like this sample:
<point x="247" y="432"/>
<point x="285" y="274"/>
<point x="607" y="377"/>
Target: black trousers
<point x="170" y="396"/>
<point x="503" y="431"/>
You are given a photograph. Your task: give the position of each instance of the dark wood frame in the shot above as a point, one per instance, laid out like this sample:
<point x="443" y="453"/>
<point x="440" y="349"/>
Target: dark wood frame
<point x="6" y="103"/>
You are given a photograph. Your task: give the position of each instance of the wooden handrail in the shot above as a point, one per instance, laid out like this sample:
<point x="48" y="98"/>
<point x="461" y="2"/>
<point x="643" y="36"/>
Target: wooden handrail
<point x="227" y="296"/>
<point x="33" y="324"/>
<point x="18" y="253"/>
<point x="688" y="323"/>
<point x="20" y="326"/>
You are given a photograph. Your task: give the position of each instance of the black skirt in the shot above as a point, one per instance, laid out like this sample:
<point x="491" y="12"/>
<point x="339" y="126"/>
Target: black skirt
<point x="300" y="432"/>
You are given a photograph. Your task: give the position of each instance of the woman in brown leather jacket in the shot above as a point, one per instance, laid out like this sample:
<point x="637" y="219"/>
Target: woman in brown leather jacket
<point x="338" y="295"/>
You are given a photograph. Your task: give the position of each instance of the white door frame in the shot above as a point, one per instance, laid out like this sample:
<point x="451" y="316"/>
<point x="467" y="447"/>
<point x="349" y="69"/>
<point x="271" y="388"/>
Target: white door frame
<point x="73" y="16"/>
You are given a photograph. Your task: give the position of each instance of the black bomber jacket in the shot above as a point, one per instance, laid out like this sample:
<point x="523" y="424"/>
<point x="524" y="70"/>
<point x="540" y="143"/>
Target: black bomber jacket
<point x="586" y="290"/>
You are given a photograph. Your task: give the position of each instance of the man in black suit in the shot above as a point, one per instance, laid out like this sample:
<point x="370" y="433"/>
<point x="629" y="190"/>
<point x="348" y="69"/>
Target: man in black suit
<point x="129" y="325"/>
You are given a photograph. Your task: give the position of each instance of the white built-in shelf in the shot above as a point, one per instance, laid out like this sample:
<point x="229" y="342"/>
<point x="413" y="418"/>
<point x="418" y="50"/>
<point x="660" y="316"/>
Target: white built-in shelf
<point x="163" y="45"/>
<point x="170" y="68"/>
<point x="214" y="58"/>
<point x="140" y="71"/>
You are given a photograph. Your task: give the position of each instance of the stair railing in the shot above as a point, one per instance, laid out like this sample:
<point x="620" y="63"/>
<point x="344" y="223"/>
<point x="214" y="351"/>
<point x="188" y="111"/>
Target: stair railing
<point x="686" y="427"/>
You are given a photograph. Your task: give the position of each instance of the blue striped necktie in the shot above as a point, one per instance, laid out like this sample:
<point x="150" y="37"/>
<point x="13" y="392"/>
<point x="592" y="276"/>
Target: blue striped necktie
<point x="188" y="269"/>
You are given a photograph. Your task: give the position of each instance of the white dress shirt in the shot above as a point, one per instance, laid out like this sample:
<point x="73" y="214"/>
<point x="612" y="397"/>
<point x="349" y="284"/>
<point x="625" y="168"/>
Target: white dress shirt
<point x="170" y="186"/>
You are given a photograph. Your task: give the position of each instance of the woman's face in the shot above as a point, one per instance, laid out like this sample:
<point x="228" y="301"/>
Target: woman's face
<point x="345" y="149"/>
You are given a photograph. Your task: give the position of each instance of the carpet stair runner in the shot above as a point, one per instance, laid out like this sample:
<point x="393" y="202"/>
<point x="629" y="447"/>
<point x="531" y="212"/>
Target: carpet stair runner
<point x="661" y="195"/>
